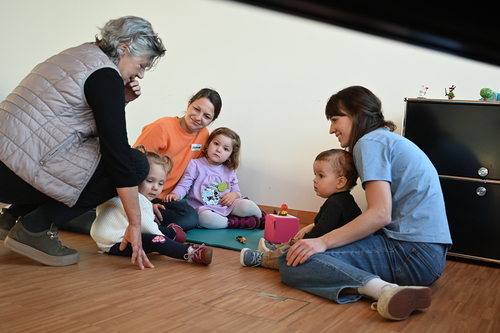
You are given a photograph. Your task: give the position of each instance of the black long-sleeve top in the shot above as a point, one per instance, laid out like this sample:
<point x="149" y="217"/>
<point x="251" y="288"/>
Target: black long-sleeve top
<point x="105" y="94"/>
<point x="338" y="210"/>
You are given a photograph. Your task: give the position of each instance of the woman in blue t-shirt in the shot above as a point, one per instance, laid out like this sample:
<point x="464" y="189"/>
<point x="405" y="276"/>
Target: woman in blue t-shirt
<point x="398" y="245"/>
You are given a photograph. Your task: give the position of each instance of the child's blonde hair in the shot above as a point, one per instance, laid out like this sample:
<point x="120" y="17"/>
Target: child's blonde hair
<point x="234" y="160"/>
<point x="343" y="163"/>
<point x="164" y="161"/>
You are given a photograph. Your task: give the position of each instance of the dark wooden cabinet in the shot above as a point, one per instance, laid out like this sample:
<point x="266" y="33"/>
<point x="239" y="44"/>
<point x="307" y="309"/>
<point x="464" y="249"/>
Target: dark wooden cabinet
<point x="462" y="139"/>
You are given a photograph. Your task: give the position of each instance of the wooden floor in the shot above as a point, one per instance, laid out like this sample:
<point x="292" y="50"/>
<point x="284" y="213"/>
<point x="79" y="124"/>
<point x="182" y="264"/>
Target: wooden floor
<point x="105" y="293"/>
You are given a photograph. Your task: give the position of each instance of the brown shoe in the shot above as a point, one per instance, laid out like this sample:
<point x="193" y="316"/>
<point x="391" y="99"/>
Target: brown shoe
<point x="200" y="254"/>
<point x="180" y="235"/>
<point x="43" y="247"/>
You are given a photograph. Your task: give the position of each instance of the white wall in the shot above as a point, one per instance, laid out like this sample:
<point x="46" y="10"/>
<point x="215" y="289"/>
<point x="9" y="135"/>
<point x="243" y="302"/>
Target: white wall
<point x="273" y="71"/>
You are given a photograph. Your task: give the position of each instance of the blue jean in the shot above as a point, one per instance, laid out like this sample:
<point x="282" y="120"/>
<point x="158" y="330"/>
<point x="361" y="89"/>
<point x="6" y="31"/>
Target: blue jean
<point x="352" y="266"/>
<point x="178" y="212"/>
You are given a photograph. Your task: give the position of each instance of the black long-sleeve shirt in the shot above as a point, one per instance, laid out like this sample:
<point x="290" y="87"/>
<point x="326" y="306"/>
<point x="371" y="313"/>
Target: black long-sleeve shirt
<point x="105" y="93"/>
<point x="338" y="210"/>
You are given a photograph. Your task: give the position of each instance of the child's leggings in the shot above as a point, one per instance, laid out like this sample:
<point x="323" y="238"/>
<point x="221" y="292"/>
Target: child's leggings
<point x="244" y="207"/>
<point x="154" y="243"/>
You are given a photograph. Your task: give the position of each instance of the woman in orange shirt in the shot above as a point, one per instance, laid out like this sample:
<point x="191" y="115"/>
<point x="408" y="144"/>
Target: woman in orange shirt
<point x="182" y="139"/>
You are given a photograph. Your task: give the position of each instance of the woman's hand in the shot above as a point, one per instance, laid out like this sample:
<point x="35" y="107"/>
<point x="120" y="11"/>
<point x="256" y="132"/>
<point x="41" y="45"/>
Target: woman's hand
<point x="227" y="199"/>
<point x="134" y="237"/>
<point x="303" y="249"/>
<point x="132" y="91"/>
<point x="130" y="199"/>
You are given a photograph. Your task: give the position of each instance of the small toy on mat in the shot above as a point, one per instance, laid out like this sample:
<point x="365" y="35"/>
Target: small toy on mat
<point x="241" y="239"/>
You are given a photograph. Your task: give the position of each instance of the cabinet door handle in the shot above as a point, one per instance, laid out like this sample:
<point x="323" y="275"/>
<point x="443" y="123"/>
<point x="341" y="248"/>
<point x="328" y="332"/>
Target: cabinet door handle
<point x="481" y="191"/>
<point x="483" y="172"/>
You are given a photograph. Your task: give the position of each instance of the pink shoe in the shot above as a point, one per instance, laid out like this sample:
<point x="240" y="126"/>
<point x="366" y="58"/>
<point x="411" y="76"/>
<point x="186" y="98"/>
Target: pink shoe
<point x="199" y="254"/>
<point x="236" y="222"/>
<point x="180" y="235"/>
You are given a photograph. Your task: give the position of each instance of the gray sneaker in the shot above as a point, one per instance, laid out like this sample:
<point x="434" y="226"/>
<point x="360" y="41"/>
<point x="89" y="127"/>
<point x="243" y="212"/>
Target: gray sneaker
<point x="265" y="245"/>
<point x="44" y="247"/>
<point x="251" y="258"/>
<point x="7" y="221"/>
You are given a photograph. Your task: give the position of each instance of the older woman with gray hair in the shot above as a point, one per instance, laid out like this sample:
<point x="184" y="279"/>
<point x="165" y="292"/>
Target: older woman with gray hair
<point x="63" y="141"/>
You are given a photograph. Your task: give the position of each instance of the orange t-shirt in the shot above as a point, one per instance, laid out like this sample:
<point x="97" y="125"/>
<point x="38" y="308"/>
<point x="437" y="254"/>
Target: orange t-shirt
<point x="165" y="136"/>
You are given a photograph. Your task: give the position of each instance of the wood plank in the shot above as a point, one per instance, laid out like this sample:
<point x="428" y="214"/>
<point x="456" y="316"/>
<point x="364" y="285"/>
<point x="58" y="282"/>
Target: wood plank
<point x="103" y="293"/>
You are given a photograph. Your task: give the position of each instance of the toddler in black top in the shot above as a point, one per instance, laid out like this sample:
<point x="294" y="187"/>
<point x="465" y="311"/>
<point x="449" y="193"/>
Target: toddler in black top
<point x="334" y="176"/>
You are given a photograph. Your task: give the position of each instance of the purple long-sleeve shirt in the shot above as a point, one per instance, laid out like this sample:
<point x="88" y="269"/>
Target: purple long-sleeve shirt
<point x="204" y="184"/>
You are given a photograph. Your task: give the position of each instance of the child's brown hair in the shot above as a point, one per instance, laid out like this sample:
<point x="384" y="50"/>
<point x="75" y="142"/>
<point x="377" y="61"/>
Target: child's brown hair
<point x="343" y="163"/>
<point x="234" y="160"/>
<point x="164" y="161"/>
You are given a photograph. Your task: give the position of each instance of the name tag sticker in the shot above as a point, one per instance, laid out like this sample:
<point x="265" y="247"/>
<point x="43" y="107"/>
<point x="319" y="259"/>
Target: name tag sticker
<point x="195" y="147"/>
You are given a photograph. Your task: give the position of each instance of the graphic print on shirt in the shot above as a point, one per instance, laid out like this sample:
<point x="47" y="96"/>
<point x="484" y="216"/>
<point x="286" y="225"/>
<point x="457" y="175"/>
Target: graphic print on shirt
<point x="211" y="195"/>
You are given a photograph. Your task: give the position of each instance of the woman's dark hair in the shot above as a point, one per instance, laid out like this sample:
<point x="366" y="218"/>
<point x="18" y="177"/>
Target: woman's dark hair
<point x="214" y="98"/>
<point x="363" y="107"/>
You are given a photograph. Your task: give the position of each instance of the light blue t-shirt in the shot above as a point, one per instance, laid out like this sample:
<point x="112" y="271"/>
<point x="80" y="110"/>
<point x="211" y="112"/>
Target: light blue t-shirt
<point x="418" y="209"/>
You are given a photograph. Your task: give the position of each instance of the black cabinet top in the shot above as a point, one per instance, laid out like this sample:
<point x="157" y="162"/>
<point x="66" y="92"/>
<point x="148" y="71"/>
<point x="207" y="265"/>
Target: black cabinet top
<point x="460" y="137"/>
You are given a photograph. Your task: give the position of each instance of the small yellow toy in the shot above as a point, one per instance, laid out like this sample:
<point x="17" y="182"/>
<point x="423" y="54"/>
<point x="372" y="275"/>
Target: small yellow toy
<point x="241" y="239"/>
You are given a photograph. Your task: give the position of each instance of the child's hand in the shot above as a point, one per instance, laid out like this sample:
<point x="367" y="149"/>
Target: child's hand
<point x="227" y="199"/>
<point x="157" y="213"/>
<point x="171" y="197"/>
<point x="300" y="234"/>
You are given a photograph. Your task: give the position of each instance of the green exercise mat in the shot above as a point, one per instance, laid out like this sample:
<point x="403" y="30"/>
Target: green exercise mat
<point x="225" y="238"/>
